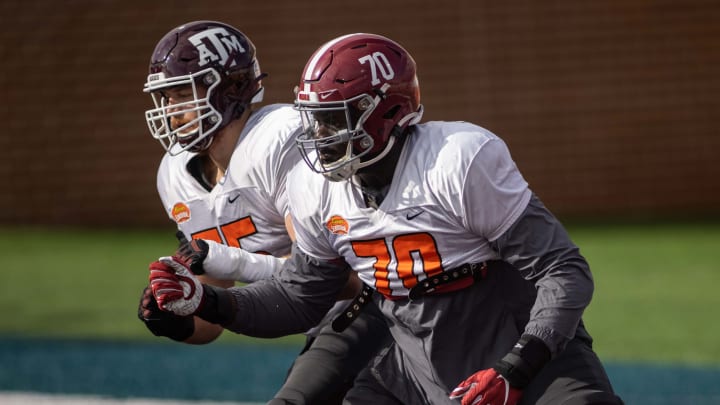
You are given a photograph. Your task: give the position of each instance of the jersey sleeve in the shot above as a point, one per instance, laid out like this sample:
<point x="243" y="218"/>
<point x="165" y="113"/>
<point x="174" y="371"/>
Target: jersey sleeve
<point x="539" y="247"/>
<point x="494" y="192"/>
<point x="306" y="193"/>
<point x="163" y="182"/>
<point x="284" y="122"/>
<point x="289" y="158"/>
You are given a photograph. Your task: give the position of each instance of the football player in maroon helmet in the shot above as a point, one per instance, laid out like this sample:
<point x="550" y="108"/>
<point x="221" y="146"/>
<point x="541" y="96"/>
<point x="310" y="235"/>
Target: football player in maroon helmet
<point x="222" y="181"/>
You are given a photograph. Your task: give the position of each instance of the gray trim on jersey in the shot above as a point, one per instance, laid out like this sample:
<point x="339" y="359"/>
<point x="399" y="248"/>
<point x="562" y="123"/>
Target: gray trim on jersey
<point x="540" y="248"/>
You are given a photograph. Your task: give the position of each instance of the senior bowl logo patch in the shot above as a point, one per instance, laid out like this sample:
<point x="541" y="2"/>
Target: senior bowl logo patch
<point x="180" y="212"/>
<point x="338" y="225"/>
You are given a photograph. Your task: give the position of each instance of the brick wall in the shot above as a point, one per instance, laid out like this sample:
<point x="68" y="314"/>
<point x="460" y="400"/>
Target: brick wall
<point x="610" y="108"/>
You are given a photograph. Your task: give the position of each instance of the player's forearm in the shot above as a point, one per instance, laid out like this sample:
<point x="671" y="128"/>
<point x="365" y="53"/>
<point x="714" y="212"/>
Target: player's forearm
<point x="559" y="306"/>
<point x="229" y="263"/>
<point x="294" y="300"/>
<point x="255" y="310"/>
<point x="266" y="311"/>
<point x="564" y="290"/>
<point x="539" y="247"/>
<point x="563" y="293"/>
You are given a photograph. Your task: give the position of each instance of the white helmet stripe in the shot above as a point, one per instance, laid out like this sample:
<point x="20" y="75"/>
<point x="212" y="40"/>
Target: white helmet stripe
<point x="310" y="68"/>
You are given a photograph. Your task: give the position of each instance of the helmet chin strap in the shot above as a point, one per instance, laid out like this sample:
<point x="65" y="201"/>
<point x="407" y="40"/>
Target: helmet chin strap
<point x="343" y="173"/>
<point x="410" y="119"/>
<point x="388" y="147"/>
<point x="348" y="170"/>
<point x="202" y="144"/>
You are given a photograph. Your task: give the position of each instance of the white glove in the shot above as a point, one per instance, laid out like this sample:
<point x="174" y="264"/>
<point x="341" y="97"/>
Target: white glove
<point x="175" y="287"/>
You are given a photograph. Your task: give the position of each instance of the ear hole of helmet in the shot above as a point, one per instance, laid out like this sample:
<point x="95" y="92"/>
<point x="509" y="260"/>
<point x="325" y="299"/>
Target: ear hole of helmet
<point x="237" y="85"/>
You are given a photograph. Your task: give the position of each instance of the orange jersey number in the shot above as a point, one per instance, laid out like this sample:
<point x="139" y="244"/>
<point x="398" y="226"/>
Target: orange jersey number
<point x="232" y="231"/>
<point x="414" y="253"/>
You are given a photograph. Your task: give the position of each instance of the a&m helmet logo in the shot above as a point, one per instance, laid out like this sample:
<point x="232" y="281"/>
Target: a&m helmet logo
<point x="213" y="46"/>
<point x="180" y="212"/>
<point x="338" y="225"/>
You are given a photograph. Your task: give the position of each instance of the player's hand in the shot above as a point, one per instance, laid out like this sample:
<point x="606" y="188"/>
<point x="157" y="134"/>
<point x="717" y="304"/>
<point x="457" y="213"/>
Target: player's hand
<point x="175" y="287"/>
<point x="193" y="253"/>
<point x="486" y="387"/>
<point x="163" y="323"/>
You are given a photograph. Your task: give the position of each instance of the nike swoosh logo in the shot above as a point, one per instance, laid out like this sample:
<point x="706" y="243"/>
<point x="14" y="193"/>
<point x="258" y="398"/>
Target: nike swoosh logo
<point x="412" y="216"/>
<point x="232" y="199"/>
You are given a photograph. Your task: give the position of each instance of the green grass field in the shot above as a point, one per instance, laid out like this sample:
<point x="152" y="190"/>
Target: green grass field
<point x="654" y="297"/>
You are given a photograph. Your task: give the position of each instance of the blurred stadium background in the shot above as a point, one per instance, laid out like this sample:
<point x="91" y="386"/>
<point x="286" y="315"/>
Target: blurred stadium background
<point x="610" y="110"/>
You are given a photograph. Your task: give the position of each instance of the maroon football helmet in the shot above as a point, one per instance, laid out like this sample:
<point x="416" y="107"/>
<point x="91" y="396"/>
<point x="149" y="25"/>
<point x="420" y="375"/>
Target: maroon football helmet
<point x="215" y="65"/>
<point x="357" y="93"/>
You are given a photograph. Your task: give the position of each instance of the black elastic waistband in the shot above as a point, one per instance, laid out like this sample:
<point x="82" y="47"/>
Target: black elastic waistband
<point x="477" y="271"/>
<point x="447" y="281"/>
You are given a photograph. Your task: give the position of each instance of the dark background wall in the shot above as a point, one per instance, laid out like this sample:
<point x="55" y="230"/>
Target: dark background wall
<point x="611" y="109"/>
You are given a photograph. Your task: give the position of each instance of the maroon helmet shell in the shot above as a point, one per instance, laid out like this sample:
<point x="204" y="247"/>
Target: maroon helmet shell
<point x="216" y="56"/>
<point x="364" y="63"/>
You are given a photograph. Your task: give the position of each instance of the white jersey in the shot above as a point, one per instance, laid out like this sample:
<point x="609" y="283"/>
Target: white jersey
<point x="455" y="189"/>
<point x="247" y="207"/>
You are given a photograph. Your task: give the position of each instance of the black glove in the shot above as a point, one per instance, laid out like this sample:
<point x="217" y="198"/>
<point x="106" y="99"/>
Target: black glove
<point x="163" y="323"/>
<point x="193" y="253"/>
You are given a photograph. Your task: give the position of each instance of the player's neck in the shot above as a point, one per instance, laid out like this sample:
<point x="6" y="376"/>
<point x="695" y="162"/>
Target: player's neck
<point x="379" y="176"/>
<point x="210" y="172"/>
<point x="223" y="146"/>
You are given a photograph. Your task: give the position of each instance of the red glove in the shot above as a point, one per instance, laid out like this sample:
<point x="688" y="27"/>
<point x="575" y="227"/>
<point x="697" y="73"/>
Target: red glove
<point x="486" y="387"/>
<point x="175" y="288"/>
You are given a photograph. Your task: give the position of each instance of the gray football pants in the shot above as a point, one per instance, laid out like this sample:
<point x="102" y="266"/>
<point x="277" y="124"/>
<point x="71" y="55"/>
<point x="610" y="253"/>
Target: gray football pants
<point x="328" y="365"/>
<point x="575" y="377"/>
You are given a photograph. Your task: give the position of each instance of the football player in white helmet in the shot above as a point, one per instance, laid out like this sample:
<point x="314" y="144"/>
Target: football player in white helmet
<point x="222" y="181"/>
